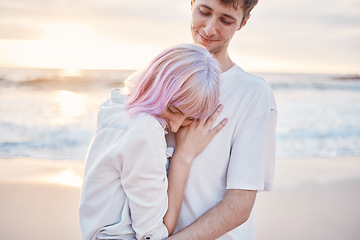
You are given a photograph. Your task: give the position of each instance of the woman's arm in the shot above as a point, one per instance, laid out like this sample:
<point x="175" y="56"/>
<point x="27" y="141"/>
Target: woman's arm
<point x="190" y="141"/>
<point x="177" y="177"/>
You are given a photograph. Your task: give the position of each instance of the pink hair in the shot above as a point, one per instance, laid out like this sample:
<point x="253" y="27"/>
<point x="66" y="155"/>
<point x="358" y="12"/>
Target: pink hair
<point x="185" y="75"/>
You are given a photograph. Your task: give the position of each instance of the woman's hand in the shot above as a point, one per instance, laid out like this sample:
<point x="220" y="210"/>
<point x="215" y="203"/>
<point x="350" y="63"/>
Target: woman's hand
<point x="192" y="140"/>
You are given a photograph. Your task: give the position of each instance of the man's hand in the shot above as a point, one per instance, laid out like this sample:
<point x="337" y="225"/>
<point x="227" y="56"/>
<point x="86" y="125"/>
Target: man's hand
<point x="228" y="214"/>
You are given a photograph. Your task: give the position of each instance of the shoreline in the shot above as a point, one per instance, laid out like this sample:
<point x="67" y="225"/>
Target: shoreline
<point x="313" y="198"/>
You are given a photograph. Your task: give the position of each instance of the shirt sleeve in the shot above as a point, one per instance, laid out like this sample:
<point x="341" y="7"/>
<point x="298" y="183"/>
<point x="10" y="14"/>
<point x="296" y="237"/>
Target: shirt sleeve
<point x="143" y="175"/>
<point x="253" y="154"/>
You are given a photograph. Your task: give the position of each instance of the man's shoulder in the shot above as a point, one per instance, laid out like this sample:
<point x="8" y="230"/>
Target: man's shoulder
<point x="247" y="88"/>
<point x="236" y="77"/>
<point x="239" y="76"/>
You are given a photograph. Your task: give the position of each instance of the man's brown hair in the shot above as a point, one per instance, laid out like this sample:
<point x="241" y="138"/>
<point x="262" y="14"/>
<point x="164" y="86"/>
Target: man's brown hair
<point x="246" y="5"/>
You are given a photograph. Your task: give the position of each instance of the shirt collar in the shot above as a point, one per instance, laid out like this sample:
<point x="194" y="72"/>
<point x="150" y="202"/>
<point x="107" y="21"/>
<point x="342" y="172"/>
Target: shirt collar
<point x="117" y="96"/>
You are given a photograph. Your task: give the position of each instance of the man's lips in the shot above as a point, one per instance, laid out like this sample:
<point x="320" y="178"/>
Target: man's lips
<point x="206" y="39"/>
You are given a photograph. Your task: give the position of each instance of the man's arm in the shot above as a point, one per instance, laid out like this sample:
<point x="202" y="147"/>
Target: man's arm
<point x="228" y="214"/>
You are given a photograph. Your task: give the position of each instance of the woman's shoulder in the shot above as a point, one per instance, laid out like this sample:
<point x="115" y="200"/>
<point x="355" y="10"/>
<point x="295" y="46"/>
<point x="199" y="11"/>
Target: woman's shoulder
<point x="145" y="124"/>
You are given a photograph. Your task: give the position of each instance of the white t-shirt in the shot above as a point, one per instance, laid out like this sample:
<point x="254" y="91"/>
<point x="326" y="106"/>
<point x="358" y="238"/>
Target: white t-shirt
<point x="124" y="194"/>
<point x="242" y="154"/>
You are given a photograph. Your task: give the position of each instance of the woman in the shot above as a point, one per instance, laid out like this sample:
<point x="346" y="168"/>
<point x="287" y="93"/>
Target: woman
<point x="127" y="191"/>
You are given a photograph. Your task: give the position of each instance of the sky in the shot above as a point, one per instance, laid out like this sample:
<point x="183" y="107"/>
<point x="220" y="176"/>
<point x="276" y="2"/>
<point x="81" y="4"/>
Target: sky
<point x="281" y="36"/>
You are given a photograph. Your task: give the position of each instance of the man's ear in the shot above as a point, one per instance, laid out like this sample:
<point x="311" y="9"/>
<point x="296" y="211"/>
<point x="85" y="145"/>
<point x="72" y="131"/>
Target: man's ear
<point x="192" y="4"/>
<point x="244" y="23"/>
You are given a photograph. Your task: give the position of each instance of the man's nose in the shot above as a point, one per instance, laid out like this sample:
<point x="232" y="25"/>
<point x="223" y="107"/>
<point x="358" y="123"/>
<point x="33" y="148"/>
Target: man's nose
<point x="210" y="27"/>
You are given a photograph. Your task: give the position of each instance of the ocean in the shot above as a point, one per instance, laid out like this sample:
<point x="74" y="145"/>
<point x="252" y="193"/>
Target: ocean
<point x="51" y="113"/>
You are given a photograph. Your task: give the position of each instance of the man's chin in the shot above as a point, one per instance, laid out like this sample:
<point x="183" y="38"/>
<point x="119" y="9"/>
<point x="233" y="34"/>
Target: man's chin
<point x="210" y="48"/>
<point x="207" y="45"/>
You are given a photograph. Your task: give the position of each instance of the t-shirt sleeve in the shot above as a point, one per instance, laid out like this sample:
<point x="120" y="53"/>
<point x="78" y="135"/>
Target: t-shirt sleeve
<point x="143" y="175"/>
<point x="252" y="158"/>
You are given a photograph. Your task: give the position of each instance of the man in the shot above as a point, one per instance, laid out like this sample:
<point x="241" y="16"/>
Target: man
<point x="239" y="162"/>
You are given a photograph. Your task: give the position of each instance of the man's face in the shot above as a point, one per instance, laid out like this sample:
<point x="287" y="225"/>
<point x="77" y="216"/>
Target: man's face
<point x="213" y="24"/>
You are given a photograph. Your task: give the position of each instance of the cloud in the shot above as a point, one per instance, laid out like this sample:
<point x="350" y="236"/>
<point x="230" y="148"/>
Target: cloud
<point x="305" y="32"/>
<point x="301" y="32"/>
<point x="155" y="22"/>
<point x="19" y="31"/>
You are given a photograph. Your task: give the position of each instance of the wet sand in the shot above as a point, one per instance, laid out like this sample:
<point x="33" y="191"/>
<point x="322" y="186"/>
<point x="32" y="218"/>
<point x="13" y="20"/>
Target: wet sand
<point x="312" y="199"/>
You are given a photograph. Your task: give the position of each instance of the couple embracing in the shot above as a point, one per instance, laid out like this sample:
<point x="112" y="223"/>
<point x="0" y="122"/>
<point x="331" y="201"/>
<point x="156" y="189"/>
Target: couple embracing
<point x="184" y="151"/>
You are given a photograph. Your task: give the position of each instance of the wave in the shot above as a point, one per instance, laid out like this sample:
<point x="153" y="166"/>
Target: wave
<point x="58" y="79"/>
<point x="312" y="81"/>
<point x="61" y="143"/>
<point x="318" y="114"/>
<point x="92" y="79"/>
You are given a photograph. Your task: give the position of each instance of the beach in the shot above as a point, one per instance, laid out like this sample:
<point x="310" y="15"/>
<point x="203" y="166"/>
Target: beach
<point x="39" y="199"/>
<point x="48" y="120"/>
<point x="313" y="198"/>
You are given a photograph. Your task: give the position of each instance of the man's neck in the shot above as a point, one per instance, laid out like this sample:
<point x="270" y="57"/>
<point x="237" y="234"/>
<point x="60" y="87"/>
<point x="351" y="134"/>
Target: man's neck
<point x="225" y="61"/>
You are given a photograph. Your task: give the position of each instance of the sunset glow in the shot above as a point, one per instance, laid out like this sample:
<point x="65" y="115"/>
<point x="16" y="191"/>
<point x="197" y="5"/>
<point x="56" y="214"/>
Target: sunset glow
<point x="122" y="35"/>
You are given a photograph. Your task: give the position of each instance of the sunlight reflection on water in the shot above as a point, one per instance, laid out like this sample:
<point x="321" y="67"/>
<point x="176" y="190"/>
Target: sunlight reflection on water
<point x="71" y="106"/>
<point x="67" y="177"/>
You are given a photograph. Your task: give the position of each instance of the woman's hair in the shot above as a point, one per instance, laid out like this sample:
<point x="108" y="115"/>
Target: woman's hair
<point x="185" y="75"/>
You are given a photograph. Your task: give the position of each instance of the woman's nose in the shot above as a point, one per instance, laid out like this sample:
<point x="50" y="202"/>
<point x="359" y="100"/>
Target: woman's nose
<point x="186" y="122"/>
<point x="177" y="123"/>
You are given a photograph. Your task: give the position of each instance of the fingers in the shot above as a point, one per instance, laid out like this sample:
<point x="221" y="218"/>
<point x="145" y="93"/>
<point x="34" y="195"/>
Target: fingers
<point x="217" y="129"/>
<point x="210" y="120"/>
<point x="206" y="123"/>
